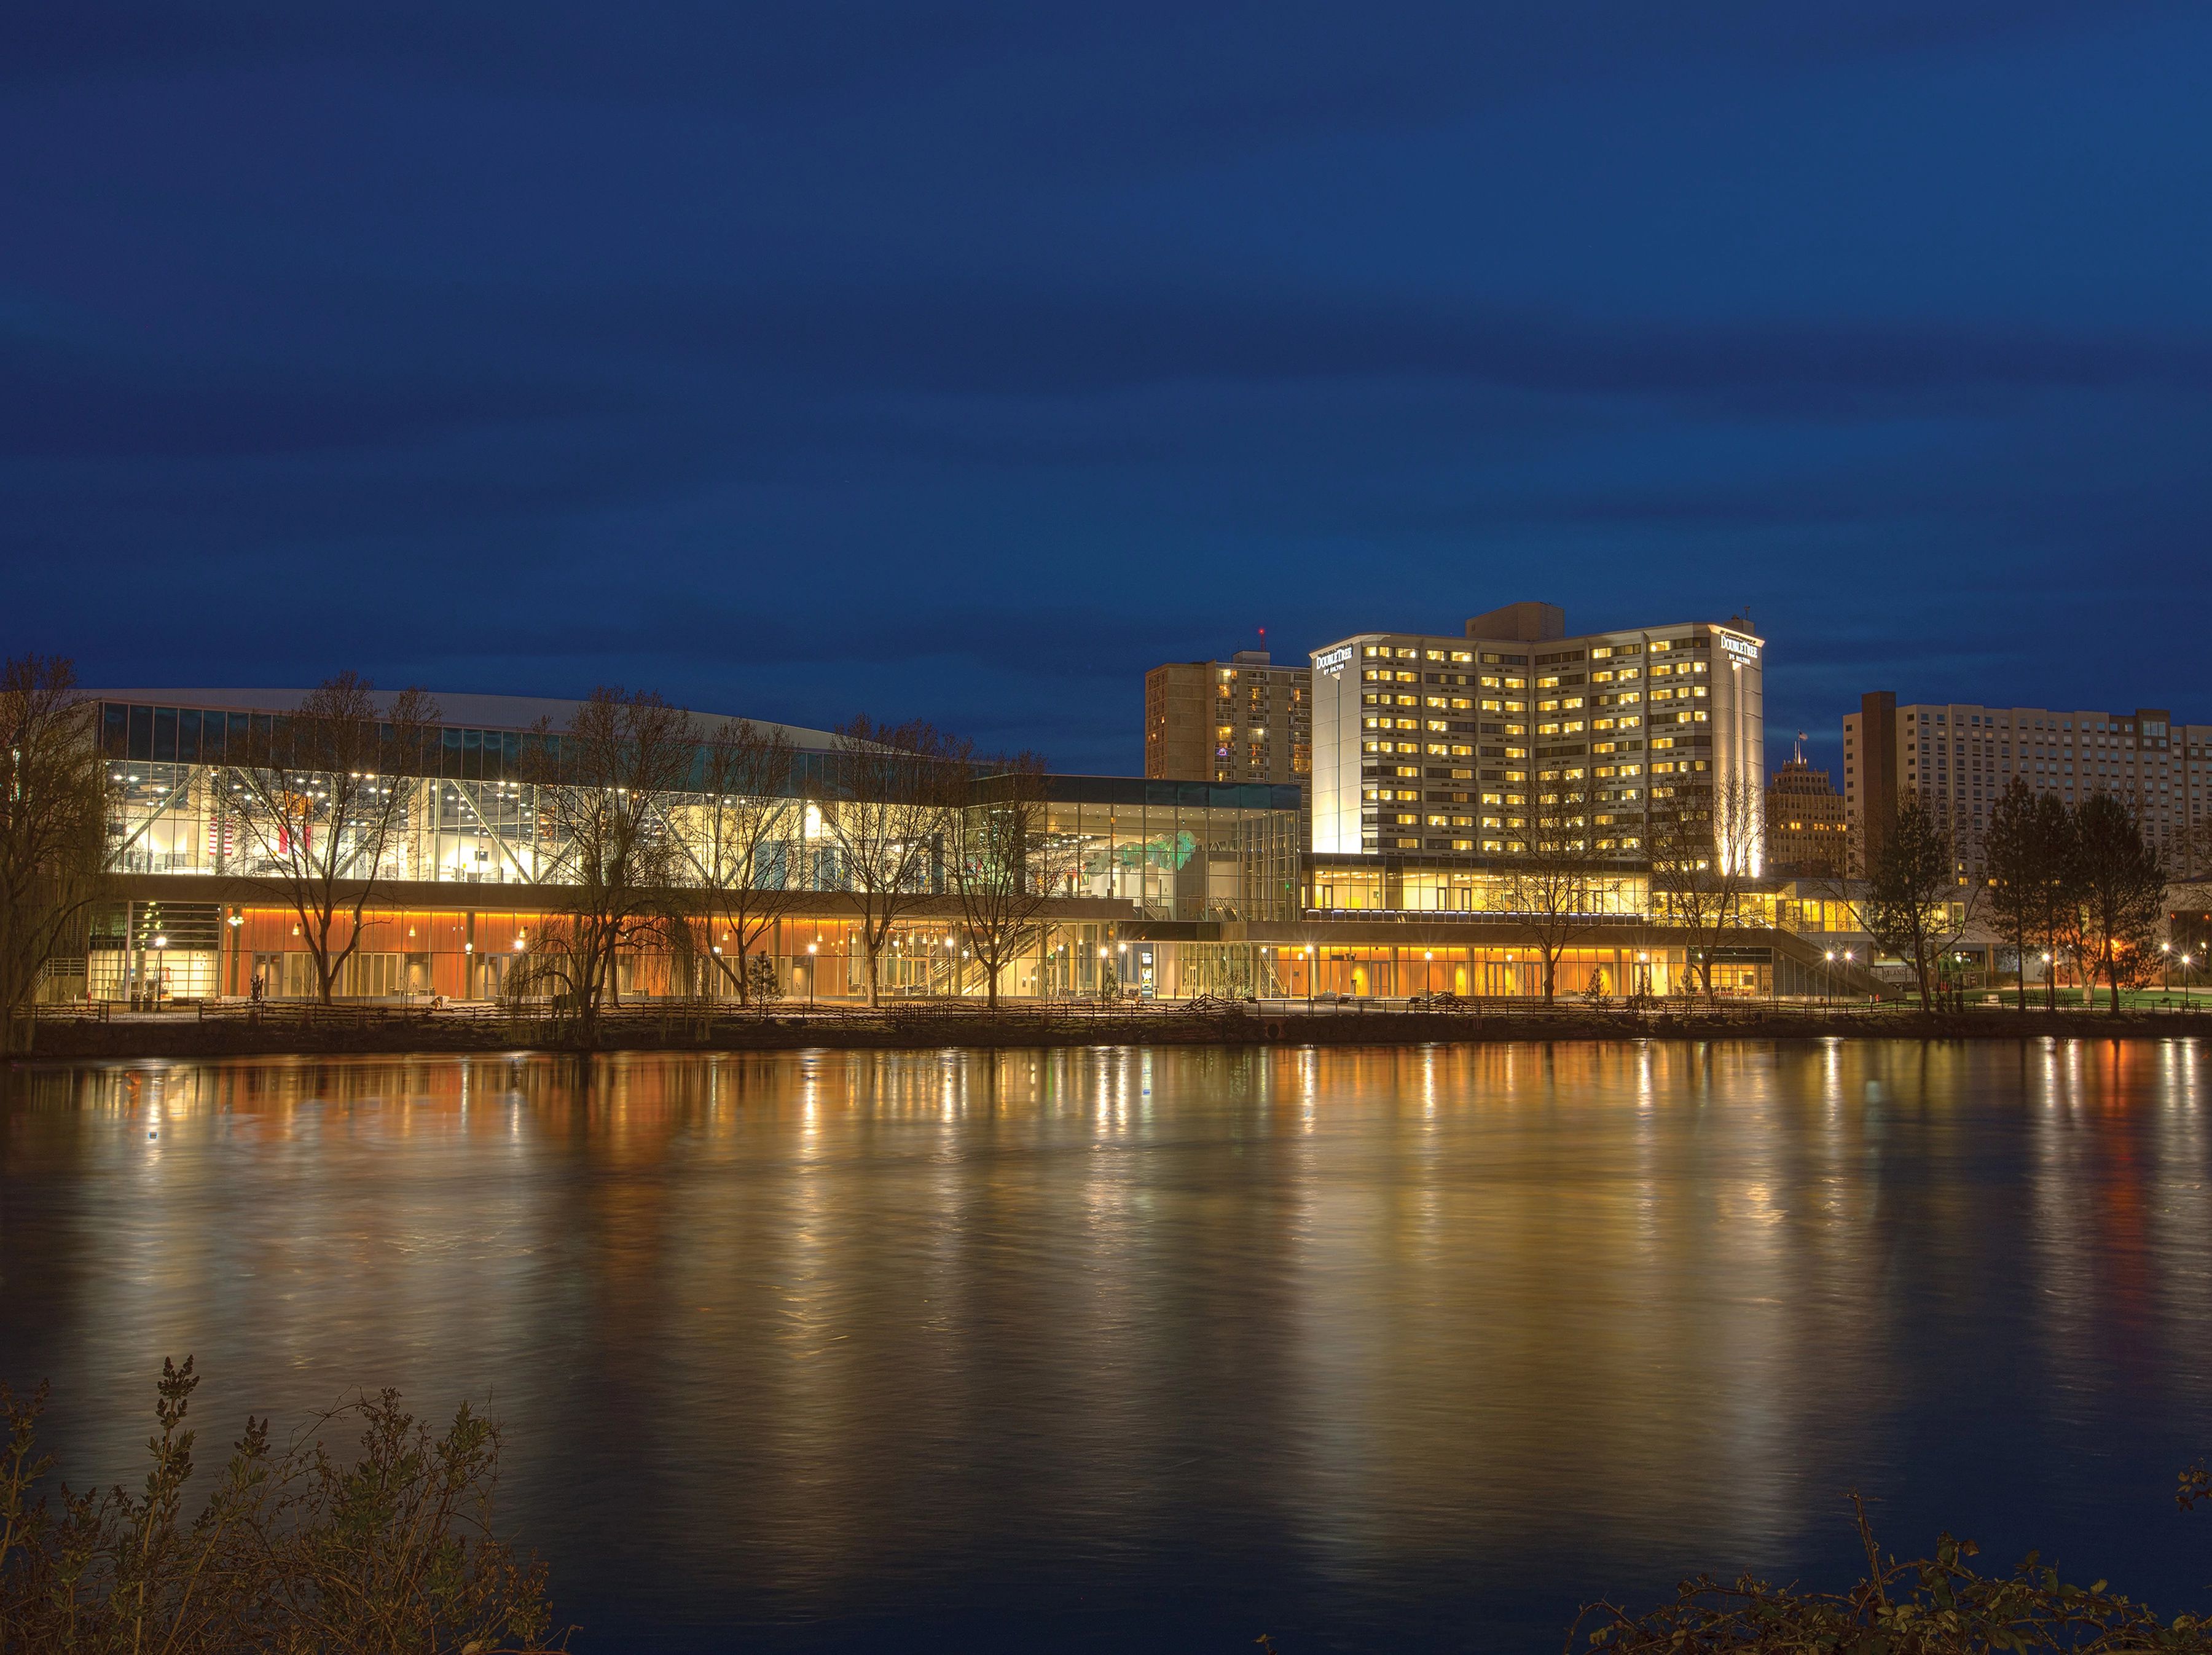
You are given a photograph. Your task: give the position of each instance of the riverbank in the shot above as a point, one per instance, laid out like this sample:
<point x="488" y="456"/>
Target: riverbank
<point x="270" y="1029"/>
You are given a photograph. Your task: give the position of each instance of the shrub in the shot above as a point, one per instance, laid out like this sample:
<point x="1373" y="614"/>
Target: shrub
<point x="1938" y="1605"/>
<point x="293" y="1551"/>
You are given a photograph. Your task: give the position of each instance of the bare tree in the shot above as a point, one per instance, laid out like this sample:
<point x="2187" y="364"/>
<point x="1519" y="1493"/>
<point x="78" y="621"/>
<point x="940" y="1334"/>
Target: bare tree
<point x="742" y="835"/>
<point x="1002" y="865"/>
<point x="2193" y="850"/>
<point x="606" y="788"/>
<point x="2033" y="876"/>
<point x="1915" y="906"/>
<point x="321" y="796"/>
<point x="1549" y="884"/>
<point x="1697" y="836"/>
<point x="885" y="805"/>
<point x="2121" y="888"/>
<point x="53" y="829"/>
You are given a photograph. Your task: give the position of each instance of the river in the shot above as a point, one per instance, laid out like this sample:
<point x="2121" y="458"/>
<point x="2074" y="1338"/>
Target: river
<point x="1115" y="1348"/>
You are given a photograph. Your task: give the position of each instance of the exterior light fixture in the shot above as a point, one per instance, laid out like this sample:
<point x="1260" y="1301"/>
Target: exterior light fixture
<point x="239" y="919"/>
<point x="517" y="946"/>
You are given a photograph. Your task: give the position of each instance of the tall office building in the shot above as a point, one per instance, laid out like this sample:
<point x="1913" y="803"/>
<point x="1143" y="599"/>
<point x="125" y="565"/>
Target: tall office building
<point x="1806" y="826"/>
<point x="1957" y="758"/>
<point x="1432" y="744"/>
<point x="1241" y="720"/>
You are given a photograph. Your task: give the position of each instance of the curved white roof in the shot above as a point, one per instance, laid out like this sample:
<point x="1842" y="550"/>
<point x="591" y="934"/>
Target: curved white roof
<point x="472" y="711"/>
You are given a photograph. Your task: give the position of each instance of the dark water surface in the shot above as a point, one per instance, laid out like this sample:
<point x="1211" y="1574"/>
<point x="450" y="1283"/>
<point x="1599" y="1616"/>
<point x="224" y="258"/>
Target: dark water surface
<point x="1156" y="1350"/>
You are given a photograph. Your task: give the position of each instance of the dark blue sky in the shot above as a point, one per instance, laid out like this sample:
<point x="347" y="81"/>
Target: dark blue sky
<point x="965" y="361"/>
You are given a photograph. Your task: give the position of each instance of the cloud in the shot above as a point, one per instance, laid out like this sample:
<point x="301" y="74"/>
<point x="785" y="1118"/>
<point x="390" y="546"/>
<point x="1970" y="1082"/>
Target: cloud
<point x="969" y="360"/>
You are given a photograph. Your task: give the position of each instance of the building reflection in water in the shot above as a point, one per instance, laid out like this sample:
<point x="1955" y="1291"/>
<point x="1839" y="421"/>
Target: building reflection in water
<point x="828" y="1334"/>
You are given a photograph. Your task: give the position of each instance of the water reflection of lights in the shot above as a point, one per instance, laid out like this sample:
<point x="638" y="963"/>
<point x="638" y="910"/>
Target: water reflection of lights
<point x="960" y="1291"/>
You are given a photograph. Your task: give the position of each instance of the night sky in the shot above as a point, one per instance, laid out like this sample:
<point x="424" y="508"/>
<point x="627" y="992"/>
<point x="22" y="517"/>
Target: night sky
<point x="965" y="361"/>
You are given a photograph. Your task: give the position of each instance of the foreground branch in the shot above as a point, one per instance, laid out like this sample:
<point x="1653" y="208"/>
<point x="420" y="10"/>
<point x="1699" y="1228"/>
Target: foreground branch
<point x="294" y="1551"/>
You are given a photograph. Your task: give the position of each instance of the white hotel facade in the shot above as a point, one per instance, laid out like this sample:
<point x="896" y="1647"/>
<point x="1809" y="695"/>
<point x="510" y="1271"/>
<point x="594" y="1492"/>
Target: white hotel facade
<point x="1435" y="743"/>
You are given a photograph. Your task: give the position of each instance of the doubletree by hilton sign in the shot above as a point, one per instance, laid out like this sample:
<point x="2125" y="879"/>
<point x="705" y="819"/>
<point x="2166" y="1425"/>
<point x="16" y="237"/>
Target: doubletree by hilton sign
<point x="1334" y="662"/>
<point x="1740" y="647"/>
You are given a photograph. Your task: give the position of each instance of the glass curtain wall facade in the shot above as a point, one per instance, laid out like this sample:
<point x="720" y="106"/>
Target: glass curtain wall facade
<point x="1106" y="847"/>
<point x="1173" y="849"/>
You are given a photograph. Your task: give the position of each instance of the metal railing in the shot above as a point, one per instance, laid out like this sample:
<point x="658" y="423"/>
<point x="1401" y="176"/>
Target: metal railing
<point x="944" y="1019"/>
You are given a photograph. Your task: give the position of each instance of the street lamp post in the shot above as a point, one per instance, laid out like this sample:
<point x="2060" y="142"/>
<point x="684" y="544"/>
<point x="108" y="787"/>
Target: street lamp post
<point x="2166" y="950"/>
<point x="810" y="947"/>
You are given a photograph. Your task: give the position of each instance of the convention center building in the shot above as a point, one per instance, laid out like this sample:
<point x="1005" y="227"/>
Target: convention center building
<point x="1158" y="888"/>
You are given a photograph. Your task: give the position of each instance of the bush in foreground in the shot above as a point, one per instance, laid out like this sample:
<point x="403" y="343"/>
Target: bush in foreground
<point x="293" y="1551"/>
<point x="1938" y="1605"/>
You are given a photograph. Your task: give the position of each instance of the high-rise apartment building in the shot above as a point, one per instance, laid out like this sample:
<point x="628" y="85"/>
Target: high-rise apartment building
<point x="1806" y="826"/>
<point x="1433" y="743"/>
<point x="1956" y="759"/>
<point x="1241" y="720"/>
